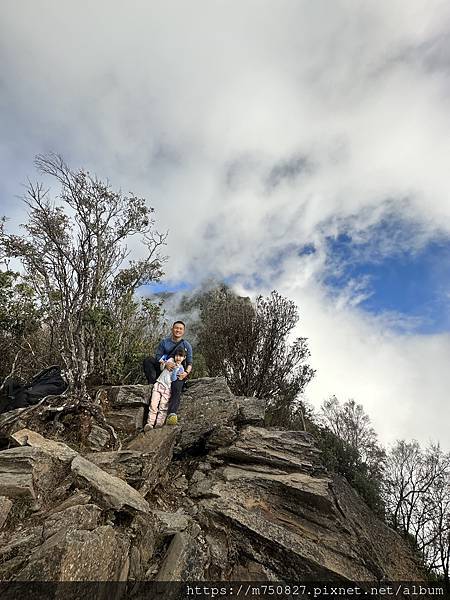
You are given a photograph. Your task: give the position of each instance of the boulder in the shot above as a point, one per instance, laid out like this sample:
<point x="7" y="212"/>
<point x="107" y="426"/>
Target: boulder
<point x="146" y="538"/>
<point x="251" y="411"/>
<point x="156" y="449"/>
<point x="222" y="436"/>
<point x="79" y="498"/>
<point x="20" y="542"/>
<point x="184" y="561"/>
<point x="127" y="420"/>
<point x="110" y="491"/>
<point x="144" y="461"/>
<point x="172" y="522"/>
<point x="128" y="395"/>
<point x="206" y="405"/>
<point x="125" y="464"/>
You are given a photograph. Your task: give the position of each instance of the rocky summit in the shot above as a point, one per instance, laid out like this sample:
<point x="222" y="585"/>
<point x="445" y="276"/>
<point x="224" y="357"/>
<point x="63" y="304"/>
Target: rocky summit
<point x="218" y="497"/>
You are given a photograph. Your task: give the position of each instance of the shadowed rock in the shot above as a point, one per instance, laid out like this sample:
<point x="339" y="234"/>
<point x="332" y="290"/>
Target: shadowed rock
<point x="73" y="555"/>
<point x="124" y="406"/>
<point x="5" y="507"/>
<point x="28" y="472"/>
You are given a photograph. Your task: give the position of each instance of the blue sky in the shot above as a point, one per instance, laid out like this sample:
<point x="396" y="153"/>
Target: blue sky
<point x="413" y="284"/>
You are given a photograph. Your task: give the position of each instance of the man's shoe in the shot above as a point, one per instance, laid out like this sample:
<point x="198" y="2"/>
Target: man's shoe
<point x="147" y="427"/>
<point x="172" y="419"/>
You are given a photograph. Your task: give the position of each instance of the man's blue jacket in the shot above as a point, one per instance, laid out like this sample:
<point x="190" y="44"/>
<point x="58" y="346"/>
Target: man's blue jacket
<point x="166" y="346"/>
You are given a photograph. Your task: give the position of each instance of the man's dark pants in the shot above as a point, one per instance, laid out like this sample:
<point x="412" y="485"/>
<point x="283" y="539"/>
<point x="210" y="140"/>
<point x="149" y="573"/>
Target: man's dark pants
<point x="152" y="371"/>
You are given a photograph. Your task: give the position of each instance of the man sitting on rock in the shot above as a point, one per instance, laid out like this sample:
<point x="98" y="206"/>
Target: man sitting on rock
<point x="166" y="349"/>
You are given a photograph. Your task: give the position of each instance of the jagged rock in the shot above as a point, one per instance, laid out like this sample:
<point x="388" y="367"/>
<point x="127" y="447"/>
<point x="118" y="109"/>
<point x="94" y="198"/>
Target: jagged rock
<point x="57" y="450"/>
<point x="98" y="555"/>
<point x="251" y="411"/>
<point x="181" y="483"/>
<point x="98" y="438"/>
<point x="74" y="517"/>
<point x="222" y="436"/>
<point x="296" y="519"/>
<point x="78" y="499"/>
<point x="381" y="548"/>
<point x="143" y="463"/>
<point x="20" y="543"/>
<point x="28" y="472"/>
<point x="125" y="464"/>
<point x="206" y="405"/>
<point x="172" y="522"/>
<point x="5" y="507"/>
<point x="156" y="447"/>
<point x="110" y="491"/>
<point x="293" y="450"/>
<point x="239" y="502"/>
<point x="184" y="561"/>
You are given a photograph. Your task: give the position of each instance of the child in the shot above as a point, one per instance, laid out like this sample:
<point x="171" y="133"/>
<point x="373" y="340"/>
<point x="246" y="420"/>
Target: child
<point x="161" y="390"/>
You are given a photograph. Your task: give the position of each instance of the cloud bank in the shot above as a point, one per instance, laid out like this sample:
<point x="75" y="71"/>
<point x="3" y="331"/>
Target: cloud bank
<point x="259" y="132"/>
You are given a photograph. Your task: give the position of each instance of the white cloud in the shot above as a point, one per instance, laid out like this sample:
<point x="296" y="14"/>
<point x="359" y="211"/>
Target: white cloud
<point x="401" y="380"/>
<point x="204" y="106"/>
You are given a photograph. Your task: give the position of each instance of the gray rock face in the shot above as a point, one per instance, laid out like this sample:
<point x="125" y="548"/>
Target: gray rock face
<point x="206" y="405"/>
<point x="184" y="561"/>
<point x="141" y="470"/>
<point x="110" y="491"/>
<point x="85" y="516"/>
<point x="289" y="450"/>
<point x="127" y="420"/>
<point x="155" y="451"/>
<point x="273" y="488"/>
<point x="129" y="395"/>
<point x="226" y="499"/>
<point x="79" y="555"/>
<point x="222" y="436"/>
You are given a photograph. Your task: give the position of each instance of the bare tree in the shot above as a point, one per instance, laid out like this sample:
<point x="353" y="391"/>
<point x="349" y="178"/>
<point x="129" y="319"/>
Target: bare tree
<point x="74" y="254"/>
<point x="352" y="425"/>
<point x="417" y="496"/>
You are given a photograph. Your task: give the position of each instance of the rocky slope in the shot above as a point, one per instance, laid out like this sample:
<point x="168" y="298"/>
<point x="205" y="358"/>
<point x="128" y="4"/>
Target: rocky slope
<point x="219" y="497"/>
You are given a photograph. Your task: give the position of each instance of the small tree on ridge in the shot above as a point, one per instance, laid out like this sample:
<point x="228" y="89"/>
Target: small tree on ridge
<point x="74" y="255"/>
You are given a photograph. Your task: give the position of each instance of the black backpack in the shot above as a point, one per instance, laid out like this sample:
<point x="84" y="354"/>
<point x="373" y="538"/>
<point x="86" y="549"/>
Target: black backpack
<point x="48" y="382"/>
